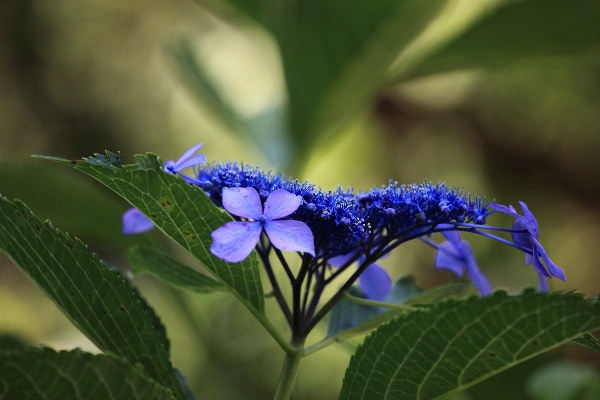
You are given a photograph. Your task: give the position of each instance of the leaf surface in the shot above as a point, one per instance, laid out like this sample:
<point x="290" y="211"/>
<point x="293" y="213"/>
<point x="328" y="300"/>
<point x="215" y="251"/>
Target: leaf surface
<point x="450" y="346"/>
<point x="104" y="306"/>
<point x="185" y="214"/>
<point x="336" y="53"/>
<point x="44" y="374"/>
<point x="520" y="30"/>
<point x="173" y="272"/>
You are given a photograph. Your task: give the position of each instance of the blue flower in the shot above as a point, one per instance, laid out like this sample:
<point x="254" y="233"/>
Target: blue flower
<point x="456" y="256"/>
<point x="526" y="235"/>
<point x="234" y="241"/>
<point x="334" y="217"/>
<point x="135" y="222"/>
<point x="374" y="282"/>
<point x="187" y="160"/>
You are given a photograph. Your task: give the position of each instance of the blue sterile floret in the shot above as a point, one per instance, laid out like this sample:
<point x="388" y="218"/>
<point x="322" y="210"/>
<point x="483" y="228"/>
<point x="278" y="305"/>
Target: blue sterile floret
<point x="334" y="217"/>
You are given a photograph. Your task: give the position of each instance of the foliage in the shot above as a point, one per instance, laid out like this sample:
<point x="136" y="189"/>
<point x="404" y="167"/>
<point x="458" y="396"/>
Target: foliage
<point x="337" y="57"/>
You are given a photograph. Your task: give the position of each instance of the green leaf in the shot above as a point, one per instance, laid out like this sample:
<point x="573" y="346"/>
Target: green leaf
<point x="199" y="83"/>
<point x="336" y="54"/>
<point x="95" y="298"/>
<point x="49" y="375"/>
<point x="587" y="340"/>
<point x="452" y="345"/>
<point x="561" y="381"/>
<point x="347" y="325"/>
<point x="71" y="201"/>
<point x="347" y="314"/>
<point x="147" y="259"/>
<point x="185" y="214"/>
<point x="519" y="30"/>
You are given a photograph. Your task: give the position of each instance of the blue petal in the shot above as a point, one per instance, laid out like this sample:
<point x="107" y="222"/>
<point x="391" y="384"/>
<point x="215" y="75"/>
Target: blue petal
<point x="243" y="202"/>
<point x="375" y="283"/>
<point x="187" y="154"/>
<point x="543" y="284"/>
<point x="479" y="280"/>
<point x="234" y="241"/>
<point x="289" y="235"/>
<point x="196" y="160"/>
<point x="448" y="257"/>
<point x="554" y="269"/>
<point x="510" y="210"/>
<point x="340" y="261"/>
<point x="530" y="217"/>
<point x="538" y="266"/>
<point x="281" y="203"/>
<point x="135" y="222"/>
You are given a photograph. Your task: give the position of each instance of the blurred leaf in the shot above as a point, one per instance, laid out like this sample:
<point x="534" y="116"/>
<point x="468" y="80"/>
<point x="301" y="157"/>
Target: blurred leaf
<point x="72" y="202"/>
<point x="353" y="321"/>
<point x="454" y="344"/>
<point x="519" y="30"/>
<point x="185" y="214"/>
<point x="197" y="80"/>
<point x="171" y="271"/>
<point x="347" y="314"/>
<point x="73" y="375"/>
<point x="336" y="54"/>
<point x="560" y="381"/>
<point x="11" y="342"/>
<point x="459" y="290"/>
<point x="588" y="340"/>
<point x="95" y="298"/>
<point x="403" y="290"/>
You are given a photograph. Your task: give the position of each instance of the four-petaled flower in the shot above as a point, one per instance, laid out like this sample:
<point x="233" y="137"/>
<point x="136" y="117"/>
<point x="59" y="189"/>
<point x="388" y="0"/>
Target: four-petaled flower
<point x="234" y="241"/>
<point x="456" y="256"/>
<point x="186" y="160"/>
<point x="527" y="237"/>
<point x="374" y="282"/>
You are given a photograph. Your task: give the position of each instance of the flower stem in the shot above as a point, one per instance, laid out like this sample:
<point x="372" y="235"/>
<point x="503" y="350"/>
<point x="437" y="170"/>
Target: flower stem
<point x="373" y="303"/>
<point x="289" y="372"/>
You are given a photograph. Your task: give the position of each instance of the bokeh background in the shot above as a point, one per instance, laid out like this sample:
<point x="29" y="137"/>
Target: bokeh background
<point x="77" y="78"/>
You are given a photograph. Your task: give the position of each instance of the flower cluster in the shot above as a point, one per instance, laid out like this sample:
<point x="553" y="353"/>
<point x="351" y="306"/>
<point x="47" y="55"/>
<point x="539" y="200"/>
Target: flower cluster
<point x="334" y="230"/>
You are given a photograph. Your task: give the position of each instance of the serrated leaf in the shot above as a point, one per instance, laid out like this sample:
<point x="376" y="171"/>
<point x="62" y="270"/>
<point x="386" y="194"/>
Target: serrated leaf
<point x="173" y="272"/>
<point x="519" y="30"/>
<point x="587" y="340"/>
<point x="336" y="54"/>
<point x="94" y="297"/>
<point x="109" y="160"/>
<point x="185" y="214"/>
<point x="44" y="374"/>
<point x="452" y="345"/>
<point x="404" y="292"/>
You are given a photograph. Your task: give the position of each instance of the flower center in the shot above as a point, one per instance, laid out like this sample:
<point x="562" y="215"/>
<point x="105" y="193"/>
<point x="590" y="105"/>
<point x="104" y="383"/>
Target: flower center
<point x="262" y="220"/>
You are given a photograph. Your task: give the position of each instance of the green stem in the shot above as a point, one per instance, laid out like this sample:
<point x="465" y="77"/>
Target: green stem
<point x="289" y="372"/>
<point x="366" y="302"/>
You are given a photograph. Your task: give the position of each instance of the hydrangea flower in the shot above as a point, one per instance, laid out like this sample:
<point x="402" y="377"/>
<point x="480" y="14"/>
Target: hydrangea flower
<point x="526" y="236"/>
<point x="335" y="218"/>
<point x="456" y="256"/>
<point x="135" y="222"/>
<point x="187" y="160"/>
<point x="234" y="241"/>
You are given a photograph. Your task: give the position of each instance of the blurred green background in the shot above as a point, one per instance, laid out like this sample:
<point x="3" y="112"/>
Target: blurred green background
<point x="510" y="110"/>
